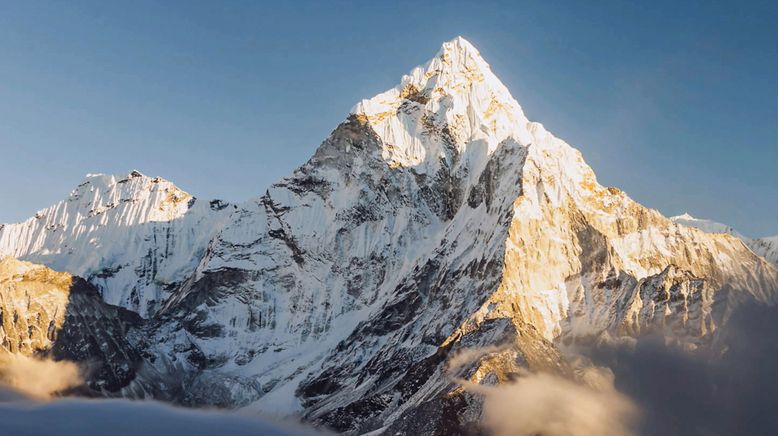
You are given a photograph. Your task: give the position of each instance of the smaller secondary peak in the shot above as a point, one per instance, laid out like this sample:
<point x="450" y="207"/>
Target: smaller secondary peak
<point x="128" y="182"/>
<point x="705" y="225"/>
<point x="684" y="216"/>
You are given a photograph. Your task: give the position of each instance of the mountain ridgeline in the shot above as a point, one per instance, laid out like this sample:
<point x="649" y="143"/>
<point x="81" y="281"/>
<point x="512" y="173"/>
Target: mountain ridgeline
<point x="435" y="218"/>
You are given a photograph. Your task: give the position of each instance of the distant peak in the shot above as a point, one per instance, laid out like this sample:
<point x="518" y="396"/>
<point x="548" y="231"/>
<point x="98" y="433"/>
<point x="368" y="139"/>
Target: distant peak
<point x="685" y="216"/>
<point x="459" y="39"/>
<point x="112" y="181"/>
<point x="705" y="225"/>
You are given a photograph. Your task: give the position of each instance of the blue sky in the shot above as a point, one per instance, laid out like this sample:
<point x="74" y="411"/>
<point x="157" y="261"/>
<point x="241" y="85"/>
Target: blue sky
<point x="674" y="102"/>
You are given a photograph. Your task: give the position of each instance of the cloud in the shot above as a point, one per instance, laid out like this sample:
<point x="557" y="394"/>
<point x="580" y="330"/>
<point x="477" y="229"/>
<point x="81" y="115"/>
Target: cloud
<point x="730" y="389"/>
<point x="76" y="417"/>
<point x="551" y="405"/>
<point x="28" y="406"/>
<point x="647" y="386"/>
<point x="38" y="378"/>
<point x="544" y="404"/>
<point x="650" y="388"/>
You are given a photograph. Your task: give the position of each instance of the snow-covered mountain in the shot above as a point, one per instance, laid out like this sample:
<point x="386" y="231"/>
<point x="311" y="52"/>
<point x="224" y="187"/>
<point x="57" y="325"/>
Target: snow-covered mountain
<point x="706" y="225"/>
<point x="134" y="237"/>
<point x="766" y="247"/>
<point x="436" y="215"/>
<point x="435" y="218"/>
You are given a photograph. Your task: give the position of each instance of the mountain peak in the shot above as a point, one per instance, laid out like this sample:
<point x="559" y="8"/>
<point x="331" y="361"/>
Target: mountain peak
<point x="684" y="216"/>
<point x="451" y="101"/>
<point x="460" y="51"/>
<point x="705" y="225"/>
<point x="113" y="181"/>
<point x="460" y="42"/>
<point x="132" y="235"/>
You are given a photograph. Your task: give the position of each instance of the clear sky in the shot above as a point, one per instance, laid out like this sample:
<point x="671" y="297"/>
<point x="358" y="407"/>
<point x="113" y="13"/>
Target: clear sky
<point x="674" y="102"/>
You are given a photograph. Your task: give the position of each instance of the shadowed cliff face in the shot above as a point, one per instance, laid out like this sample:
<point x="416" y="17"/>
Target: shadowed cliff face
<point x="52" y="315"/>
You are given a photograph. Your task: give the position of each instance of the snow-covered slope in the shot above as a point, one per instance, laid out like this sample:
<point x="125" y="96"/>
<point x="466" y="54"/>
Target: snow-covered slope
<point x="706" y="225"/>
<point x="134" y="237"/>
<point x="766" y="247"/>
<point x="435" y="218"/>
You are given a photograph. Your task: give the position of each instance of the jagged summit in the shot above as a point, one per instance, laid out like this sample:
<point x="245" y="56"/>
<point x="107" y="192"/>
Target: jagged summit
<point x="451" y="103"/>
<point x="100" y="192"/>
<point x="459" y="45"/>
<point x="131" y="174"/>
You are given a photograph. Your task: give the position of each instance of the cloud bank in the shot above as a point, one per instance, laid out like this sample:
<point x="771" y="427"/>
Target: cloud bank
<point x="76" y="417"/>
<point x="729" y="390"/>
<point x="550" y="405"/>
<point x="38" y="378"/>
<point x="544" y="404"/>
<point x="27" y="383"/>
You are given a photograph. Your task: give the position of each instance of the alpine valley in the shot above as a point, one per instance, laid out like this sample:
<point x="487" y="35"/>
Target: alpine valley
<point x="435" y="219"/>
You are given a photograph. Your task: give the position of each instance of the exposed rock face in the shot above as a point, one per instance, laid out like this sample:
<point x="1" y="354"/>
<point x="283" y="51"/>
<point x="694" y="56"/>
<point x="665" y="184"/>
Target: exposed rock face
<point x="133" y="237"/>
<point x="45" y="313"/>
<point x="436" y="218"/>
